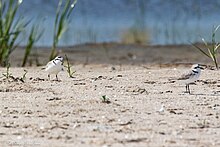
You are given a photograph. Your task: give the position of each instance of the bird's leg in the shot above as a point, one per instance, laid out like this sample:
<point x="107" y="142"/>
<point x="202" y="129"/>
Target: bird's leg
<point x="188" y="89"/>
<point x="49" y="76"/>
<point x="57" y="78"/>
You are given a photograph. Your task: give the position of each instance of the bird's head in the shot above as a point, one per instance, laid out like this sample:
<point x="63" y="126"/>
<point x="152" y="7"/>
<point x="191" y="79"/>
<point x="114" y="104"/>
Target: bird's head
<point x="59" y="58"/>
<point x="197" y="67"/>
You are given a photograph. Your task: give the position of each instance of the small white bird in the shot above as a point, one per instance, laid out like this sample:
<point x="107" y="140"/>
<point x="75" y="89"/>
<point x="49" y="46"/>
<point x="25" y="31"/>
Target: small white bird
<point x="54" y="66"/>
<point x="192" y="76"/>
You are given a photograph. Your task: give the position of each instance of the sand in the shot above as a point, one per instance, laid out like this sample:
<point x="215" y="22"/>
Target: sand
<point x="35" y="111"/>
<point x="70" y="112"/>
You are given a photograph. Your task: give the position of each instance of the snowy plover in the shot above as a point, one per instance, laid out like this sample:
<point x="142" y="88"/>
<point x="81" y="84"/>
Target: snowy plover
<point x="54" y="66"/>
<point x="192" y="76"/>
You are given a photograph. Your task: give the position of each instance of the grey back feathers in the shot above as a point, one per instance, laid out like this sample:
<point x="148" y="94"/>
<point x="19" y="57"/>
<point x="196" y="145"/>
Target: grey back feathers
<point x="192" y="75"/>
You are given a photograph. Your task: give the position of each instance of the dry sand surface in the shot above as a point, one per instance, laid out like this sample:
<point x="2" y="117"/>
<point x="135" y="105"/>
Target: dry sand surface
<point x="70" y="112"/>
<point x="135" y="78"/>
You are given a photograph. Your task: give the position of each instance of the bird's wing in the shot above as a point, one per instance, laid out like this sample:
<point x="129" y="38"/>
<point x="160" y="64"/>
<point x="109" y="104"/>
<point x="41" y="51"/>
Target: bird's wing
<point x="49" y="64"/>
<point x="186" y="76"/>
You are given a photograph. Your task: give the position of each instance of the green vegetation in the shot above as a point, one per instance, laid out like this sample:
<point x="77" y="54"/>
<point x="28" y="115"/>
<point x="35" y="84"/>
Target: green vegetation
<point x="34" y="36"/>
<point x="61" y="23"/>
<point x="135" y="35"/>
<point x="69" y="69"/>
<point x="203" y="124"/>
<point x="7" y="74"/>
<point x="105" y="99"/>
<point x="23" y="78"/>
<point x="10" y="28"/>
<point x="212" y="49"/>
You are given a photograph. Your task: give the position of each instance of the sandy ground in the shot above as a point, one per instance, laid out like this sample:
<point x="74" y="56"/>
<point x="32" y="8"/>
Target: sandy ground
<point x="70" y="112"/>
<point x="135" y="79"/>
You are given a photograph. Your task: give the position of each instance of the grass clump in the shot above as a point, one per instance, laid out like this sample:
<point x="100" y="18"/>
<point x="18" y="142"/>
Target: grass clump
<point x="34" y="36"/>
<point x="104" y="99"/>
<point x="10" y="28"/>
<point x="7" y="74"/>
<point x="23" y="78"/>
<point x="203" y="124"/>
<point x="211" y="50"/>
<point x="62" y="19"/>
<point x="69" y="69"/>
<point x="10" y="78"/>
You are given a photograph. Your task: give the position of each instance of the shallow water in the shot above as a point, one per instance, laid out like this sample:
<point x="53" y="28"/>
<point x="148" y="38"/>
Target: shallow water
<point x="164" y="22"/>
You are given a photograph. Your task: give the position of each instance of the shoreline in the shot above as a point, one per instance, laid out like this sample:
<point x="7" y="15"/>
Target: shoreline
<point x="118" y="54"/>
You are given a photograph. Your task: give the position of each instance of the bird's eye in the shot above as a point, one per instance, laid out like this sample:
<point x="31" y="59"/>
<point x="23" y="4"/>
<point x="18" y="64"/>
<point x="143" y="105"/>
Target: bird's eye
<point x="59" y="58"/>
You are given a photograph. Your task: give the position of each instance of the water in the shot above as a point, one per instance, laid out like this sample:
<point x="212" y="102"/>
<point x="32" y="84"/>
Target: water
<point x="166" y="21"/>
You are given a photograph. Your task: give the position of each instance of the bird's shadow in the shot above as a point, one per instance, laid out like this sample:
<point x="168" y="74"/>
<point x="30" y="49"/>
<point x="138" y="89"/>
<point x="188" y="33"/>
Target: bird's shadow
<point x="55" y="80"/>
<point x="200" y="94"/>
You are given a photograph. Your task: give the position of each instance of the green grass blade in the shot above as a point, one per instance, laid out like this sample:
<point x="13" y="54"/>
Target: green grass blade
<point x="213" y="38"/>
<point x="211" y="54"/>
<point x="61" y="23"/>
<point x="216" y="47"/>
<point x="201" y="50"/>
<point x="56" y="21"/>
<point x="216" y="29"/>
<point x="61" y="26"/>
<point x="206" y="44"/>
<point x="71" y="8"/>
<point x="34" y="36"/>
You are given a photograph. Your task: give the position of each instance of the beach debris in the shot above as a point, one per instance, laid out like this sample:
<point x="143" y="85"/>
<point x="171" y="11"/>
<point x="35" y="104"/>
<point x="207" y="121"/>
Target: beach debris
<point x="53" y="98"/>
<point x="150" y="82"/>
<point x="137" y="90"/>
<point x="162" y="109"/>
<point x="125" y="123"/>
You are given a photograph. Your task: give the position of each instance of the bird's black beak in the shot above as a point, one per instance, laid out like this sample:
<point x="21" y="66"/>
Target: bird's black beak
<point x="202" y="66"/>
